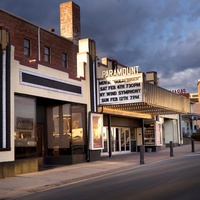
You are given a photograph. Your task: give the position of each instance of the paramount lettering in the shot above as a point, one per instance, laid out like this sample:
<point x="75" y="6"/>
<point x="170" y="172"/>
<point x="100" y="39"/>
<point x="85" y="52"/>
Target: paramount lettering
<point x="120" y="72"/>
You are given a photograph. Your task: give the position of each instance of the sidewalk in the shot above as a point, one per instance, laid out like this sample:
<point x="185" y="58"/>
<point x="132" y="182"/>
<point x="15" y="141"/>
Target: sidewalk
<point x="24" y="184"/>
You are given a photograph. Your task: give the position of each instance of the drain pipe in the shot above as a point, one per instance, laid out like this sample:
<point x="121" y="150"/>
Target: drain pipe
<point x="39" y="55"/>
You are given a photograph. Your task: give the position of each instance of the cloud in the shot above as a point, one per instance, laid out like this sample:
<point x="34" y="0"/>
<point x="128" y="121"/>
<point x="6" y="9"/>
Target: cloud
<point x="160" y="36"/>
<point x="186" y="79"/>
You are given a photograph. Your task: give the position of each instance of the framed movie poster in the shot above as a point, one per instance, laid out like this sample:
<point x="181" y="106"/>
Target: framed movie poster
<point x="96" y="131"/>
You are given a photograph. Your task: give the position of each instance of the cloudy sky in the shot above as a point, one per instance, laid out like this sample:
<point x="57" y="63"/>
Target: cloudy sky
<point x="157" y="35"/>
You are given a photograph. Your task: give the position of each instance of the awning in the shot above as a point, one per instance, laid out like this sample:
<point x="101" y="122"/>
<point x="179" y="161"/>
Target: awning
<point x="155" y="101"/>
<point x="192" y="116"/>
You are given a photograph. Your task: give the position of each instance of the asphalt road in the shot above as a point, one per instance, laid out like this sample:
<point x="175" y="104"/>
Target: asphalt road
<point x="172" y="179"/>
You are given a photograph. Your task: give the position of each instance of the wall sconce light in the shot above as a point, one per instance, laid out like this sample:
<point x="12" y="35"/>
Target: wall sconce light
<point x="32" y="60"/>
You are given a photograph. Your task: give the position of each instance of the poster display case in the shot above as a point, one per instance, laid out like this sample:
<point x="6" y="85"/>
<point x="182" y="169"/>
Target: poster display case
<point x="149" y="135"/>
<point x="158" y="133"/>
<point x="96" y="131"/>
<point x="153" y="135"/>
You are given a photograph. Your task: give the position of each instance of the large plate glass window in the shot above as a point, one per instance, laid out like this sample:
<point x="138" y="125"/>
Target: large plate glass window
<point x="25" y="123"/>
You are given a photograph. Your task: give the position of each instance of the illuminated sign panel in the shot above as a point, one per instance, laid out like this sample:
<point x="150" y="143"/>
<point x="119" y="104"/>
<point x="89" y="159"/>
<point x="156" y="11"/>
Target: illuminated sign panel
<point x="120" y="89"/>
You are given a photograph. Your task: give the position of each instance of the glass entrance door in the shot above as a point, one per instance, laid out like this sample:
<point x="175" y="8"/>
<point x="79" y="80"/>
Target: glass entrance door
<point x="120" y="139"/>
<point x="125" y="139"/>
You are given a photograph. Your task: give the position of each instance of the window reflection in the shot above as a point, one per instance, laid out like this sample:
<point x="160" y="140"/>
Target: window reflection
<point x="25" y="134"/>
<point x="66" y="127"/>
<point x="58" y="131"/>
<point x="78" y="129"/>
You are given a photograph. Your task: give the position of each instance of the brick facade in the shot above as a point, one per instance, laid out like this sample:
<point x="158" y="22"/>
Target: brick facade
<point x="20" y="29"/>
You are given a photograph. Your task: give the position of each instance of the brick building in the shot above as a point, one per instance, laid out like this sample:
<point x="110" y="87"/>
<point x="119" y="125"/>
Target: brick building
<point x="44" y="103"/>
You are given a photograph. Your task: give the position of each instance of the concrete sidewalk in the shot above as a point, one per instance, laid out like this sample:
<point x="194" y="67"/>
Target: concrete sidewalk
<point x="11" y="188"/>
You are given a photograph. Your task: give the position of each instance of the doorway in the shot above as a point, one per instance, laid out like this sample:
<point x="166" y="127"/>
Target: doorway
<point x="125" y="139"/>
<point x="120" y="139"/>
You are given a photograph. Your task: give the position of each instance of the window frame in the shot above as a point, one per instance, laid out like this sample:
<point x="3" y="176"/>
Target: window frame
<point x="47" y="54"/>
<point x="27" y="48"/>
<point x="25" y="135"/>
<point x="65" y="60"/>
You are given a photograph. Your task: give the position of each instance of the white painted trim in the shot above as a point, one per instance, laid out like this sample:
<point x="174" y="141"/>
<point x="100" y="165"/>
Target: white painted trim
<point x="4" y="100"/>
<point x="50" y="78"/>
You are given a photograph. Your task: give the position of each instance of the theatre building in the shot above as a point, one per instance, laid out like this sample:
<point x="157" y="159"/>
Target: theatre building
<point x="130" y="109"/>
<point x="61" y="105"/>
<point x="134" y="110"/>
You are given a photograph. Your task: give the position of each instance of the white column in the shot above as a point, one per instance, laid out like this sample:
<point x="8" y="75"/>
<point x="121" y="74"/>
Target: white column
<point x="4" y="100"/>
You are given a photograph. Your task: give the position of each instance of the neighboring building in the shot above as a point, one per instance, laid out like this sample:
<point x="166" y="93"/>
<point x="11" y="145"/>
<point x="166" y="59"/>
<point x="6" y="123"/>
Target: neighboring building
<point x="194" y="97"/>
<point x="186" y="122"/>
<point x="44" y="103"/>
<point x="61" y="105"/>
<point x="195" y="119"/>
<point x="190" y="123"/>
<point x="131" y="103"/>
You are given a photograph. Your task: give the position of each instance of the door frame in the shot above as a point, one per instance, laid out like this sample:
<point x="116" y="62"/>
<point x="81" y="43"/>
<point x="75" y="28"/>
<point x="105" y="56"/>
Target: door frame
<point x="117" y="142"/>
<point x="40" y="143"/>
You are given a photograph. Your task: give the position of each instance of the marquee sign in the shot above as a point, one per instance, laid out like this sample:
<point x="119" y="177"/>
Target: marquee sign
<point x="120" y="89"/>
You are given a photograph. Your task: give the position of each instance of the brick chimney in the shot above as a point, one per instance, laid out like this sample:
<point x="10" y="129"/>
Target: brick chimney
<point x="70" y="21"/>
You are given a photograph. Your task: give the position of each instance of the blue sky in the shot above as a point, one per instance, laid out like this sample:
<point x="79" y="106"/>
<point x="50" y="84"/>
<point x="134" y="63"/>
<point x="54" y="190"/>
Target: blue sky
<point x="157" y="35"/>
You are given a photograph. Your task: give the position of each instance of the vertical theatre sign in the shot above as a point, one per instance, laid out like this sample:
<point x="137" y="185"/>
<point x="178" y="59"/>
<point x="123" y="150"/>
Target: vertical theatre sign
<point x="120" y="86"/>
<point x="5" y="89"/>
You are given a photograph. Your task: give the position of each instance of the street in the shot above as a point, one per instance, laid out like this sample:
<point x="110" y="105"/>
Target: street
<point x="172" y="179"/>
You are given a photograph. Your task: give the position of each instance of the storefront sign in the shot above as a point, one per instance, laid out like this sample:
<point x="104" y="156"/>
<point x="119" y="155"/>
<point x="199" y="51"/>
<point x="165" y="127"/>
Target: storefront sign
<point x="96" y="131"/>
<point x="179" y="91"/>
<point x="120" y="89"/>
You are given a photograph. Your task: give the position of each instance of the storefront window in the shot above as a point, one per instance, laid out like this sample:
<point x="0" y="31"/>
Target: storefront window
<point x="78" y="129"/>
<point x="59" y="136"/>
<point x="66" y="130"/>
<point x="25" y="123"/>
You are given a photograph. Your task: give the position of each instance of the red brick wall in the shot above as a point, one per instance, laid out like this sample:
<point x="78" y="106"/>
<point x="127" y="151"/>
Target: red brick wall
<point x="20" y="29"/>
